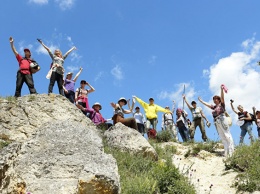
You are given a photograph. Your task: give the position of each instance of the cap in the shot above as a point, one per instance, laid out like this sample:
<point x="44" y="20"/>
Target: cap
<point x="97" y="104"/>
<point x="69" y="73"/>
<point x="83" y="82"/>
<point x="193" y="102"/>
<point x="151" y="99"/>
<point x="123" y="100"/>
<point x="26" y="49"/>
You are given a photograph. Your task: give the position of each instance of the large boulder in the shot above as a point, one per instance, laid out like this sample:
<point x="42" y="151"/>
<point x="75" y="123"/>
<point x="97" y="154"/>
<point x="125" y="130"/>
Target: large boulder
<point x="19" y="118"/>
<point x="127" y="139"/>
<point x="62" y="157"/>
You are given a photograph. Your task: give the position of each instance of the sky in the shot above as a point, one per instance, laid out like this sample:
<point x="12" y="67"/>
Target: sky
<point x="149" y="48"/>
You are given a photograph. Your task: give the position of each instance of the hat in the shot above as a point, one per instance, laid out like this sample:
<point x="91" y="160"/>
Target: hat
<point x="193" y="102"/>
<point x="97" y="104"/>
<point x="69" y="73"/>
<point x="123" y="100"/>
<point x="83" y="82"/>
<point x="151" y="99"/>
<point x="26" y="49"/>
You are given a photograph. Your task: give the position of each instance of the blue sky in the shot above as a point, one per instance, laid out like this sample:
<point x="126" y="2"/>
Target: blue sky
<point x="143" y="48"/>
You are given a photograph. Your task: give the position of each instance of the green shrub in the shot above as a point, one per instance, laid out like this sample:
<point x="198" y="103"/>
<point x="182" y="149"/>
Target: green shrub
<point x="246" y="160"/>
<point x="4" y="144"/>
<point x="196" y="148"/>
<point x="164" y="136"/>
<point x="142" y="175"/>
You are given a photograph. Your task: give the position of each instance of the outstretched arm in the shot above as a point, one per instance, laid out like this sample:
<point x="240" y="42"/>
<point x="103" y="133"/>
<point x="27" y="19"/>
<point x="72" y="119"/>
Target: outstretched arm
<point x="206" y="104"/>
<point x="44" y="46"/>
<point x="203" y="116"/>
<point x="68" y="52"/>
<point x="231" y="103"/>
<point x="12" y="46"/>
<point x="222" y="95"/>
<point x="184" y="97"/>
<point x="77" y="75"/>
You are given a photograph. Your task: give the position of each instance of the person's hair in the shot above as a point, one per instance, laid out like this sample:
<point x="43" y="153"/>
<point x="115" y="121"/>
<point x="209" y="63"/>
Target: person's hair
<point x="239" y="106"/>
<point x="58" y="50"/>
<point x="216" y="97"/>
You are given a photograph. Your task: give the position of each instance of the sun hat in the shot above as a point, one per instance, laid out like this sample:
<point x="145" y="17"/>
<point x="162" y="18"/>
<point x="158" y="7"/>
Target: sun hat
<point x="123" y="100"/>
<point x="97" y="104"/>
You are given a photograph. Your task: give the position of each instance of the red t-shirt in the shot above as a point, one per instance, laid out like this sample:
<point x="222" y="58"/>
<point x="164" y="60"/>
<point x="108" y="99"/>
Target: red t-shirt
<point x="24" y="64"/>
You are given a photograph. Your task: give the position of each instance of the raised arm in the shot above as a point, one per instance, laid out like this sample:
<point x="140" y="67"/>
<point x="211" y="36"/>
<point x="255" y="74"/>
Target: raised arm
<point x="77" y="75"/>
<point x="232" y="107"/>
<point x="131" y="107"/>
<point x="141" y="102"/>
<point x="173" y="106"/>
<point x="184" y="97"/>
<point x="222" y="95"/>
<point x="254" y="114"/>
<point x="68" y="52"/>
<point x="206" y="104"/>
<point x="44" y="46"/>
<point x="12" y="46"/>
<point x="91" y="88"/>
<point x="203" y="116"/>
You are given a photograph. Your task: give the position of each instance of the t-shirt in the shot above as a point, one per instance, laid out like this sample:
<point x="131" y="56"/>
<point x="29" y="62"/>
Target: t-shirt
<point x="69" y="85"/>
<point x="139" y="117"/>
<point x="258" y="123"/>
<point x="196" y="112"/>
<point x="59" y="61"/>
<point x="218" y="109"/>
<point x="82" y="93"/>
<point x="24" y="64"/>
<point x="243" y="115"/>
<point x="119" y="110"/>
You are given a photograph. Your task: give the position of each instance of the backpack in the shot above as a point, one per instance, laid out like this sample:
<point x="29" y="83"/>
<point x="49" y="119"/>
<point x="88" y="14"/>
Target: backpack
<point x="151" y="134"/>
<point x="167" y="119"/>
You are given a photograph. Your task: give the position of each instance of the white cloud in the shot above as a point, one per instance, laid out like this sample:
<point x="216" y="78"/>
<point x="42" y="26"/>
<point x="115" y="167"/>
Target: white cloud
<point x="240" y="73"/>
<point x="98" y="76"/>
<point x="65" y="4"/>
<point x="205" y="72"/>
<point x="117" y="72"/>
<point x="177" y="93"/>
<point x="41" y="50"/>
<point x="72" y="69"/>
<point x="40" y="2"/>
<point x="152" y="60"/>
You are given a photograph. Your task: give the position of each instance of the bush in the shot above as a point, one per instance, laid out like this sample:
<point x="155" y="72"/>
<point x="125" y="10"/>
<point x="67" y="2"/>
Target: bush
<point x="246" y="160"/>
<point x="196" y="148"/>
<point x="141" y="175"/>
<point x="164" y="136"/>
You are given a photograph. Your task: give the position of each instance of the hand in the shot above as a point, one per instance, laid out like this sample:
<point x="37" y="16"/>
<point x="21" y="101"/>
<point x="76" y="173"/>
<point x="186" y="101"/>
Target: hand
<point x="133" y="96"/>
<point x="199" y="99"/>
<point x="113" y="104"/>
<point x="11" y="39"/>
<point x="80" y="68"/>
<point x="253" y="108"/>
<point x="134" y="100"/>
<point x="183" y="96"/>
<point x="74" y="48"/>
<point x="39" y="40"/>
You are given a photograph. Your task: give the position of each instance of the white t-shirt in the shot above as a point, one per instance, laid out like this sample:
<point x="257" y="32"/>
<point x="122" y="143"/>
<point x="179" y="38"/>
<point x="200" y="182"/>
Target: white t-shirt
<point x="139" y="117"/>
<point x="196" y="112"/>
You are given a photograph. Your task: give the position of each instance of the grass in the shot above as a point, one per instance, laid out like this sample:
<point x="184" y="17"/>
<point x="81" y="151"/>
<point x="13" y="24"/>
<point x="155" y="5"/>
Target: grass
<point x="209" y="146"/>
<point x="164" y="136"/>
<point x="143" y="175"/>
<point x="245" y="160"/>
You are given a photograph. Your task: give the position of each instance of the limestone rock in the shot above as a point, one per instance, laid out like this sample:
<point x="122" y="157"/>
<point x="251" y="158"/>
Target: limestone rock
<point x="19" y="118"/>
<point x="62" y="157"/>
<point x="128" y="139"/>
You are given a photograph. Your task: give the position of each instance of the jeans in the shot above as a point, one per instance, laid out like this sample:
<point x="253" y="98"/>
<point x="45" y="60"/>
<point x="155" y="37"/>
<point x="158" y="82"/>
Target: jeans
<point x="71" y="96"/>
<point x="20" y="79"/>
<point x="247" y="127"/>
<point x="184" y="132"/>
<point x="258" y="130"/>
<point x="140" y="127"/>
<point x="56" y="77"/>
<point x="198" y="122"/>
<point x="152" y="122"/>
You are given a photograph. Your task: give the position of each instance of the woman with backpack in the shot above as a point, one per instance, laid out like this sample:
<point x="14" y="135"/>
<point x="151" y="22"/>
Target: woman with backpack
<point x="57" y="67"/>
<point x="245" y="121"/>
<point x="221" y="121"/>
<point x="81" y="95"/>
<point x="69" y="85"/>
<point x="182" y="125"/>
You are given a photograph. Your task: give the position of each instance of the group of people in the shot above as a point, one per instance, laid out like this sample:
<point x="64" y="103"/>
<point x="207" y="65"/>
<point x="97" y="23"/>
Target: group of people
<point x="143" y="123"/>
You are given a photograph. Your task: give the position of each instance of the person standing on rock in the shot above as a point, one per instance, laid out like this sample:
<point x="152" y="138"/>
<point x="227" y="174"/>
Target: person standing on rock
<point x="119" y="114"/>
<point x="69" y="85"/>
<point x="168" y="122"/>
<point x="181" y="123"/>
<point x="197" y="119"/>
<point x="81" y="95"/>
<point x="221" y="121"/>
<point x="257" y="120"/>
<point x="57" y="67"/>
<point x="244" y="121"/>
<point x="151" y="110"/>
<point x="24" y="74"/>
<point x="140" y="120"/>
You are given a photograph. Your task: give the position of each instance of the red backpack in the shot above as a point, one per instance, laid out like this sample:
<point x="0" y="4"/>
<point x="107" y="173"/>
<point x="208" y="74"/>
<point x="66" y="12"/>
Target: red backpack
<point x="151" y="134"/>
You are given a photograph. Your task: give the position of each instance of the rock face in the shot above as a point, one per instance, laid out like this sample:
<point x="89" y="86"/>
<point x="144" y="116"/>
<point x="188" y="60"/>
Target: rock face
<point x="61" y="151"/>
<point x="20" y="118"/>
<point x="128" y="139"/>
